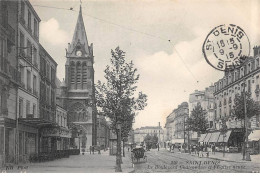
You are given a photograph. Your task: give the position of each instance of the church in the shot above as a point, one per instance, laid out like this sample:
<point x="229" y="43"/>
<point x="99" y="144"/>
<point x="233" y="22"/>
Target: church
<point x="77" y="92"/>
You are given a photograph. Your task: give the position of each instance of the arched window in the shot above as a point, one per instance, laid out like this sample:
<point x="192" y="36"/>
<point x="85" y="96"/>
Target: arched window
<point x="72" y="72"/>
<point x="84" y="75"/>
<point x="76" y="113"/>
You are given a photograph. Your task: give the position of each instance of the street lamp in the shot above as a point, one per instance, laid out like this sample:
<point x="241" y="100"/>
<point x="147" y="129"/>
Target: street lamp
<point x="246" y="155"/>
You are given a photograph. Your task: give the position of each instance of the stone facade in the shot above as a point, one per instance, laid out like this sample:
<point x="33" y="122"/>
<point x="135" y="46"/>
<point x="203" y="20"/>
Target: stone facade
<point x="9" y="77"/>
<point x="232" y="84"/>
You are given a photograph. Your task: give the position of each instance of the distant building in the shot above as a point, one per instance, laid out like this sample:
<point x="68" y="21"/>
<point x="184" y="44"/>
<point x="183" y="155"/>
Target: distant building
<point x="206" y="99"/>
<point x="175" y="128"/>
<point x="103" y="132"/>
<point x="140" y="133"/>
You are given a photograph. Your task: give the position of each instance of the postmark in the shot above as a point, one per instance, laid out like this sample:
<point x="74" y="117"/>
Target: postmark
<point x="226" y="47"/>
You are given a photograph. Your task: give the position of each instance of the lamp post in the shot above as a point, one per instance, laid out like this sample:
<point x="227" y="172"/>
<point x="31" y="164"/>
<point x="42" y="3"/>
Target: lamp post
<point x="118" y="156"/>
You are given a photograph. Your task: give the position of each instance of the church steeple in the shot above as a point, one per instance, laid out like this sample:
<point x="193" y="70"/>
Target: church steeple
<point x="79" y="37"/>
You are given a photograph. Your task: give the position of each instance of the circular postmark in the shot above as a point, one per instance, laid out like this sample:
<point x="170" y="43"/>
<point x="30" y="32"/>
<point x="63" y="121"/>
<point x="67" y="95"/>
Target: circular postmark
<point x="226" y="47"/>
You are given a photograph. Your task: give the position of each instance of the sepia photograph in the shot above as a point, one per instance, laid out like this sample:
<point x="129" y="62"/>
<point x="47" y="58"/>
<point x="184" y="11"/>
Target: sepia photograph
<point x="129" y="86"/>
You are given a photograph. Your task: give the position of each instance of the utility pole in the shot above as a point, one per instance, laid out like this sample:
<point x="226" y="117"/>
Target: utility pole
<point x="246" y="155"/>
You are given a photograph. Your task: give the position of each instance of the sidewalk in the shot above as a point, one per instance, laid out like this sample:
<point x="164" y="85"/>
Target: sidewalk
<point x="97" y="163"/>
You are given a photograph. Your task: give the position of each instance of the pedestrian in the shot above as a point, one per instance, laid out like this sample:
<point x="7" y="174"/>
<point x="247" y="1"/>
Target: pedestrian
<point x="213" y="149"/>
<point x="128" y="149"/>
<point x="93" y="150"/>
<point x="90" y="149"/>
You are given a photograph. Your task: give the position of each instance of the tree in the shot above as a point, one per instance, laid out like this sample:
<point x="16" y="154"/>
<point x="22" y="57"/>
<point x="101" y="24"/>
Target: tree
<point x="252" y="107"/>
<point x="197" y="121"/>
<point x="116" y="98"/>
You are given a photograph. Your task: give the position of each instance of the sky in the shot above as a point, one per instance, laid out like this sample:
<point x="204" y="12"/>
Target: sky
<point x="169" y="71"/>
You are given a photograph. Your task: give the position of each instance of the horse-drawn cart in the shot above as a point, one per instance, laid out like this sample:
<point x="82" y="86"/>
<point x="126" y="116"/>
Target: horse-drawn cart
<point x="138" y="154"/>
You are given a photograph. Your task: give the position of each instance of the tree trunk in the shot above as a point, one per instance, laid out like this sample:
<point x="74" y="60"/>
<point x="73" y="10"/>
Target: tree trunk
<point x="118" y="153"/>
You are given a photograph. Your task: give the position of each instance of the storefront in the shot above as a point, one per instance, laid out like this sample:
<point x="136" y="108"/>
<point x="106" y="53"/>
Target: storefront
<point x="27" y="141"/>
<point x="7" y="141"/>
<point x="54" y="139"/>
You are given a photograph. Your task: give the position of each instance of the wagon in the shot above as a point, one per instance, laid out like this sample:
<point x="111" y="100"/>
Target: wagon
<point x="138" y="154"/>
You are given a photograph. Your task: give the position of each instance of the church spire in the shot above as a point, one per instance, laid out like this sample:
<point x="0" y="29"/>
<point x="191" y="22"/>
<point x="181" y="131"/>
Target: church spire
<point x="80" y="35"/>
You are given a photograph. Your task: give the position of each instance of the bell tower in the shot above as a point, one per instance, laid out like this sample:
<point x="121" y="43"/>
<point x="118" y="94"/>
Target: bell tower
<point x="79" y="81"/>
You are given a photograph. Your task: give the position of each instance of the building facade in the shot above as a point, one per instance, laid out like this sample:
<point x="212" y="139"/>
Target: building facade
<point x="170" y="126"/>
<point x="175" y="125"/>
<point x="77" y="90"/>
<point x="206" y="99"/>
<point x="224" y="94"/>
<point x="28" y="92"/>
<point x="9" y="81"/>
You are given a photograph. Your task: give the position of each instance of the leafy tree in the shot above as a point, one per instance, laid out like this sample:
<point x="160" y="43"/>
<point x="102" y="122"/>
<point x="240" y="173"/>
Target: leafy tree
<point x="116" y="98"/>
<point x="197" y="121"/>
<point x="252" y="107"/>
<point x="151" y="141"/>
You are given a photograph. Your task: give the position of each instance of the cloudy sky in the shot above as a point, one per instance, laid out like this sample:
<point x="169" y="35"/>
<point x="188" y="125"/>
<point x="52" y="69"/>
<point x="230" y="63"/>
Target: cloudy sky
<point x="142" y="29"/>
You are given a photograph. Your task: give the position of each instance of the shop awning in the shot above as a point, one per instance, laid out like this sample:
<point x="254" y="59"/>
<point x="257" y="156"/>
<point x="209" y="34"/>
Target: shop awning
<point x="177" y="141"/>
<point x="202" y="137"/>
<point x="207" y="137"/>
<point x="214" y="137"/>
<point x="254" y="135"/>
<point x="223" y="138"/>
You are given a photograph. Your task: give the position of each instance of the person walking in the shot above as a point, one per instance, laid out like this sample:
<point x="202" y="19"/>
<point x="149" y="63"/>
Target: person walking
<point x="93" y="150"/>
<point x="90" y="149"/>
<point x="213" y="149"/>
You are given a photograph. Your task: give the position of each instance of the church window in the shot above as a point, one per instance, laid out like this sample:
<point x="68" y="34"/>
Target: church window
<point x="78" y="72"/>
<point x="72" y="72"/>
<point x="84" y="72"/>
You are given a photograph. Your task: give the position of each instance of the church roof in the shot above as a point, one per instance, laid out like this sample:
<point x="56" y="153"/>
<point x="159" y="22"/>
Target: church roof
<point x="80" y="35"/>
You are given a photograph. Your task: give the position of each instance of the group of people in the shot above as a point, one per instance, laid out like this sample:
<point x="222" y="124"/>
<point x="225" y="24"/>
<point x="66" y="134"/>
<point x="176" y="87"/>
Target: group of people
<point x="199" y="149"/>
<point x="203" y="148"/>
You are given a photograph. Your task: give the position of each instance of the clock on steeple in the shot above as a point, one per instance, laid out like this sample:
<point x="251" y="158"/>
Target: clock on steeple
<point x="79" y="53"/>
